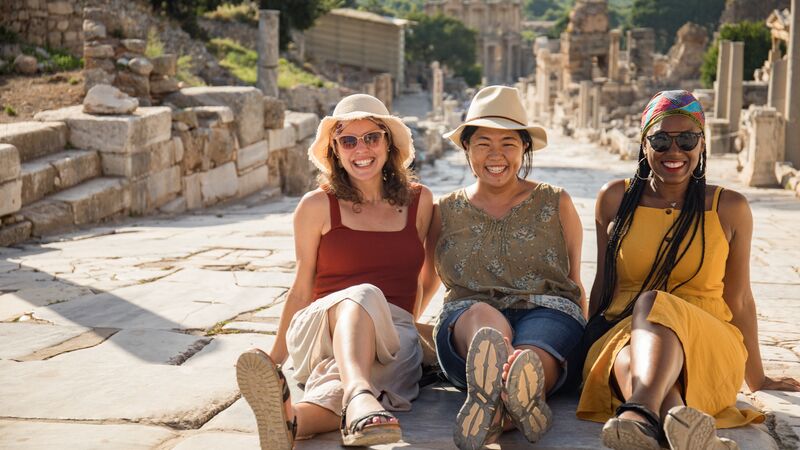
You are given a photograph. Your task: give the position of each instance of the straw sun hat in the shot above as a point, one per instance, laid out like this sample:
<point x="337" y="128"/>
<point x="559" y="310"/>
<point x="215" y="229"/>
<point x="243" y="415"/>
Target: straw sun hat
<point x="499" y="107"/>
<point x="355" y="107"/>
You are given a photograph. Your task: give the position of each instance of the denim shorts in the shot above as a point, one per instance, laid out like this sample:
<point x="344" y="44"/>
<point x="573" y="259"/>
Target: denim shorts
<point x="553" y="331"/>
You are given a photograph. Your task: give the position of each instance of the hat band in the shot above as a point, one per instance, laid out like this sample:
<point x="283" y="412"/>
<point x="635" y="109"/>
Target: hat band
<point x="497" y="117"/>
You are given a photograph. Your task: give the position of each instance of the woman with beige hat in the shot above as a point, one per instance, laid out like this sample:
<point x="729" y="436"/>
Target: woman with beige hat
<point x="359" y="247"/>
<point x="508" y="250"/>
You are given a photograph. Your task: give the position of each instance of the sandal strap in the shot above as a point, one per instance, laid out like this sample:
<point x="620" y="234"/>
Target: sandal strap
<point x="351" y="429"/>
<point x="284" y="385"/>
<point x="354" y="423"/>
<point x="644" y="411"/>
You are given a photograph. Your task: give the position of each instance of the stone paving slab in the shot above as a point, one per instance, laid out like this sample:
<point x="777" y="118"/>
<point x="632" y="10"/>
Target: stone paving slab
<point x="131" y="347"/>
<point x="34" y="435"/>
<point x="20" y="339"/>
<point x="181" y="397"/>
<point x="224" y="349"/>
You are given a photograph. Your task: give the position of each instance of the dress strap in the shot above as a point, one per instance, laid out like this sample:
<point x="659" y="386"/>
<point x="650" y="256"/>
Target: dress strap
<point x="412" y="211"/>
<point x="715" y="204"/>
<point x="336" y="214"/>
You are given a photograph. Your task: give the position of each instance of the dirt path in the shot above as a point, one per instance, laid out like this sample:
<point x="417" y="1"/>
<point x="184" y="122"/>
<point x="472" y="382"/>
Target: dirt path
<point x="23" y="96"/>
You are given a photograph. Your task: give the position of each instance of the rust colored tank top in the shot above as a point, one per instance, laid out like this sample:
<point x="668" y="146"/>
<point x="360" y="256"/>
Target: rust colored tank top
<point x="391" y="260"/>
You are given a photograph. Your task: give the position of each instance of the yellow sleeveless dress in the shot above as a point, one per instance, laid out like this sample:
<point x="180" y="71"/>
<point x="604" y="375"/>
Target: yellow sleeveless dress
<point x="714" y="349"/>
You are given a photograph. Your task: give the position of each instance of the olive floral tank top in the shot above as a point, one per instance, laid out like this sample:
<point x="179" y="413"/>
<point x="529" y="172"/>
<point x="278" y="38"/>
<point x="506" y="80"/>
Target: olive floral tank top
<point x="517" y="261"/>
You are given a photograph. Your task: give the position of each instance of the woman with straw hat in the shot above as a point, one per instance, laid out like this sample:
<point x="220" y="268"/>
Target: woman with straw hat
<point x="348" y="321"/>
<point x="673" y="315"/>
<point x="508" y="250"/>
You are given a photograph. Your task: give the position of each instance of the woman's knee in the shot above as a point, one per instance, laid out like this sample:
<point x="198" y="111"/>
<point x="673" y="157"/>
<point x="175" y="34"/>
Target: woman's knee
<point x="483" y="315"/>
<point x="645" y="303"/>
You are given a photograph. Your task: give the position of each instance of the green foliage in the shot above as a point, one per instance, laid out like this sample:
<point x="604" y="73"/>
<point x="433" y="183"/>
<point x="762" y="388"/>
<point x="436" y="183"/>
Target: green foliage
<point x="240" y="61"/>
<point x="560" y="26"/>
<point x="667" y="16"/>
<point x="58" y="61"/>
<point x="444" y="39"/>
<point x="243" y="64"/>
<point x="184" y="72"/>
<point x="154" y="45"/>
<point x="244" y="13"/>
<point x="757" y="44"/>
<point x="8" y="109"/>
<point x="7" y="36"/>
<point x="297" y="14"/>
<point x="289" y="76"/>
<point x="64" y="62"/>
<point x="73" y="81"/>
<point x="185" y="12"/>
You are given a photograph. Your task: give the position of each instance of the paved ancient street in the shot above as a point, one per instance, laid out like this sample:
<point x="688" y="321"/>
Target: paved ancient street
<point x="126" y="335"/>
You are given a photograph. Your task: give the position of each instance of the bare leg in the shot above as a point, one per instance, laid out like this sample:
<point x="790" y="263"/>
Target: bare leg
<point x="354" y="350"/>
<point x="647" y="371"/>
<point x="313" y="419"/>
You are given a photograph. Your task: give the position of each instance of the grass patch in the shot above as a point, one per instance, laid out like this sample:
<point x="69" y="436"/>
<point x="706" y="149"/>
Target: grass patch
<point x="8" y="109"/>
<point x="243" y="13"/>
<point x="240" y="60"/>
<point x="185" y="74"/>
<point x="59" y="61"/>
<point x="154" y="45"/>
<point x="243" y="62"/>
<point x="73" y="81"/>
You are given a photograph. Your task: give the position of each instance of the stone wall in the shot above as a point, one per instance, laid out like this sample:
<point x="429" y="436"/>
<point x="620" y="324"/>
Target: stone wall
<point x="208" y="144"/>
<point x="56" y="24"/>
<point x="757" y="11"/>
<point x="245" y="34"/>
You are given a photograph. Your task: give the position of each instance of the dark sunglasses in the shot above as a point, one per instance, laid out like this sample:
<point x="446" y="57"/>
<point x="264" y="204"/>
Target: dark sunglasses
<point x="371" y="140"/>
<point x="686" y="140"/>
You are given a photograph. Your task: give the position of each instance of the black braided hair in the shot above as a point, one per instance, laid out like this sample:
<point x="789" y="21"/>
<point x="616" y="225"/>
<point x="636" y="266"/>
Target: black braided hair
<point x="690" y="222"/>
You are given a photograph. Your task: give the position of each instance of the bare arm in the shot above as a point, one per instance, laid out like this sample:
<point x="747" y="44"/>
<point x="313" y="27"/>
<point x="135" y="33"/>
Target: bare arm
<point x="737" y="221"/>
<point x="608" y="201"/>
<point x="573" y="236"/>
<point x="309" y="219"/>
<point x="429" y="234"/>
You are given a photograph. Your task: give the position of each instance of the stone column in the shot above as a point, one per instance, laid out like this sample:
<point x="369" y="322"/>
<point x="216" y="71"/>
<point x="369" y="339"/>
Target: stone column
<point x="613" y="54"/>
<point x="596" y="92"/>
<point x="736" y="73"/>
<point x="777" y="85"/>
<point x="718" y="139"/>
<point x="764" y="148"/>
<point x="585" y="104"/>
<point x="792" y="113"/>
<point x="437" y="88"/>
<point x="267" y="46"/>
<point x="723" y="77"/>
<point x="542" y="84"/>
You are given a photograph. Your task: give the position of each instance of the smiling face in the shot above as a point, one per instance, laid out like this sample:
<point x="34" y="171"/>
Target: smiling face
<point x="363" y="162"/>
<point x="674" y="166"/>
<point x="495" y="155"/>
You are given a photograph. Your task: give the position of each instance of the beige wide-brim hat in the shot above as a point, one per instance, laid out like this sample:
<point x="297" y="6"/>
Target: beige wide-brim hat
<point x="499" y="107"/>
<point x="355" y="107"/>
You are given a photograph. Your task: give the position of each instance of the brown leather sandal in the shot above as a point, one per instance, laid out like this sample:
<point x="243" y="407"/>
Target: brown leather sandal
<point x="265" y="389"/>
<point x="362" y="433"/>
<point x="627" y="434"/>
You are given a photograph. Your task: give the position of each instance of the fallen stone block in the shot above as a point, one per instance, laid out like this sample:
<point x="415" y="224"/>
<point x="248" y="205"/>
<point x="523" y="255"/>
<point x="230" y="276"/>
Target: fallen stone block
<point x="9" y="162"/>
<point x="190" y="187"/>
<point x="105" y="99"/>
<point x="14" y="234"/>
<point x="219" y="184"/>
<point x="35" y="139"/>
<point x="251" y="156"/>
<point x="282" y="138"/>
<point x="139" y="197"/>
<point x="305" y="124"/>
<point x="162" y="155"/>
<point x="246" y="103"/>
<point x="253" y="180"/>
<point x="220" y="146"/>
<point x="38" y="179"/>
<point x="113" y="134"/>
<point x="11" y="197"/>
<point x="297" y="172"/>
<point x="131" y="165"/>
<point x="212" y="116"/>
<point x="74" y="167"/>
<point x="274" y="112"/>
<point x="163" y="186"/>
<point x="48" y="217"/>
<point x="96" y="199"/>
<point x="166" y="65"/>
<point x="175" y="206"/>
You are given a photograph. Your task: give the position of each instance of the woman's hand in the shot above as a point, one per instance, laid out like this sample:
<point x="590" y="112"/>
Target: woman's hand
<point x="780" y="384"/>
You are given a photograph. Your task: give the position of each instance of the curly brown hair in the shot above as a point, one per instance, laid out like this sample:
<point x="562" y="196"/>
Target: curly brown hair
<point x="397" y="179"/>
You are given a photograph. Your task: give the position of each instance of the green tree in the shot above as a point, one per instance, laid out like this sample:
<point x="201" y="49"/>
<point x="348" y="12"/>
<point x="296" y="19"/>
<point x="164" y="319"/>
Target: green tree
<point x="667" y="16"/>
<point x="444" y="39"/>
<point x="757" y="43"/>
<point x="297" y="14"/>
<point x="185" y="12"/>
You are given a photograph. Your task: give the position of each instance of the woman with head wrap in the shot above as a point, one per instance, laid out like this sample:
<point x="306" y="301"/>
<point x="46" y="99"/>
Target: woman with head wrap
<point x="673" y="290"/>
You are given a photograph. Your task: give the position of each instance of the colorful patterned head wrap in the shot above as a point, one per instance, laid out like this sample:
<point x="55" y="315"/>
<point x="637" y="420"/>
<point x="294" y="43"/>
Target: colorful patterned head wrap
<point x="668" y="103"/>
